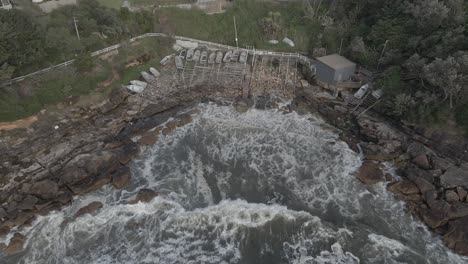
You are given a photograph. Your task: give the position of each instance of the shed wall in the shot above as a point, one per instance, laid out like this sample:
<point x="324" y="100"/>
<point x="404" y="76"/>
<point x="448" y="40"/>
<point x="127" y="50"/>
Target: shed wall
<point x="344" y="74"/>
<point x="324" y="73"/>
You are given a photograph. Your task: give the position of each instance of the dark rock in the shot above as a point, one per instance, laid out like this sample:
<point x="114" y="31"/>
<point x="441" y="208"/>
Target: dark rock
<point x="373" y="151"/>
<point x="422" y="162"/>
<point x="128" y="152"/>
<point x="416" y="149"/>
<point x="370" y="173"/>
<point x="434" y="173"/>
<point x="3" y="213"/>
<point x="89" y="209"/>
<point x="45" y="189"/>
<point x="28" y="203"/>
<point x="375" y="130"/>
<point x="404" y="187"/>
<point x="16" y="244"/>
<point x="72" y="174"/>
<point x="440" y="163"/>
<point x="184" y="119"/>
<point x="410" y="197"/>
<point x="90" y="184"/>
<point x="451" y="196"/>
<point x="149" y="138"/>
<point x="422" y="183"/>
<point x="169" y="127"/>
<point x="458" y="210"/>
<point x="454" y="177"/>
<point x="23" y="217"/>
<point x="456" y="237"/>
<point x="437" y="215"/>
<point x="4" y="230"/>
<point x="414" y="171"/>
<point x="42" y="205"/>
<point x="145" y="196"/>
<point x="461" y="193"/>
<point x="65" y="196"/>
<point x="457" y="234"/>
<point x="121" y="177"/>
<point x="50" y="207"/>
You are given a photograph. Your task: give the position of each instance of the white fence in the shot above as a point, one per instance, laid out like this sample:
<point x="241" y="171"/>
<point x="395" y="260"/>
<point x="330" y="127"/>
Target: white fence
<point x="303" y="58"/>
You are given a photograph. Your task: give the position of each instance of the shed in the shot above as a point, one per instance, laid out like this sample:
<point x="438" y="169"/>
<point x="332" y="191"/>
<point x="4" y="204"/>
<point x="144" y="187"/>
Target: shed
<point x="334" y="68"/>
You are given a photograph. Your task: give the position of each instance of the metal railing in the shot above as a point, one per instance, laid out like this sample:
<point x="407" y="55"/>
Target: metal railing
<point x="114" y="47"/>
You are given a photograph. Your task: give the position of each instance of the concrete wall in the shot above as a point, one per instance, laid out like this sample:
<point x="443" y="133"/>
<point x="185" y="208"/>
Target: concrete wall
<point x="344" y="73"/>
<point x="329" y="75"/>
<point x="324" y="73"/>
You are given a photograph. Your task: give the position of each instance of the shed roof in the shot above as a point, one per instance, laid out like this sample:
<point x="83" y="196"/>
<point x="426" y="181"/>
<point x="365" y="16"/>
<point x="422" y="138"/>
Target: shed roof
<point x="336" y="61"/>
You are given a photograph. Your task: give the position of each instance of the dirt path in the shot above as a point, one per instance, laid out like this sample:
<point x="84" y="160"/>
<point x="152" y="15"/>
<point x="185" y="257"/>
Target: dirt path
<point x="22" y="123"/>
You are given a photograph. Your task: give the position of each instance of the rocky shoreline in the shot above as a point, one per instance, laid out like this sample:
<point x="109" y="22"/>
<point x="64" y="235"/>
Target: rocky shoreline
<point x="433" y="179"/>
<point x="44" y="168"/>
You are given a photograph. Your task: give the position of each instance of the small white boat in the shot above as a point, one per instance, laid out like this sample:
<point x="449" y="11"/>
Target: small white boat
<point x="166" y="59"/>
<point x="243" y="57"/>
<point x="135" y="88"/>
<point x="196" y="56"/>
<point x="155" y="72"/>
<point x="183" y="53"/>
<point x="189" y="56"/>
<point x="148" y="77"/>
<point x="204" y="57"/>
<point x="235" y="56"/>
<point x="361" y="92"/>
<point x="139" y="83"/>
<point x="227" y="56"/>
<point x="212" y="57"/>
<point x="179" y="63"/>
<point x="219" y="57"/>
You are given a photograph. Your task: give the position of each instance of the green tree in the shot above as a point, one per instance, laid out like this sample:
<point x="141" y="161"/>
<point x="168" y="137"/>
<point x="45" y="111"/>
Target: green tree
<point x="21" y="40"/>
<point x="84" y="63"/>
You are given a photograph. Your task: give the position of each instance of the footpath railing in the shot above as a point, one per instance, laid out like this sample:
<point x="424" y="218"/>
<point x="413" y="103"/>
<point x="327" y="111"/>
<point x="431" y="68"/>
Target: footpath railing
<point x="301" y="57"/>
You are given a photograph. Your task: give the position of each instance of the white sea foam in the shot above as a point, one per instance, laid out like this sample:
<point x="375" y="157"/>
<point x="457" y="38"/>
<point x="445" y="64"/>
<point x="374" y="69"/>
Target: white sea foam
<point x="278" y="164"/>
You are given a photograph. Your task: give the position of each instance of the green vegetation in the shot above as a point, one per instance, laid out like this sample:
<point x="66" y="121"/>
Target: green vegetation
<point x="29" y="42"/>
<point x="32" y="95"/>
<point x="420" y="45"/>
<point x="252" y="24"/>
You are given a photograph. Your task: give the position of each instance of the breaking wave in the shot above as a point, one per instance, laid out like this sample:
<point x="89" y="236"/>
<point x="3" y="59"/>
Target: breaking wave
<point x="256" y="187"/>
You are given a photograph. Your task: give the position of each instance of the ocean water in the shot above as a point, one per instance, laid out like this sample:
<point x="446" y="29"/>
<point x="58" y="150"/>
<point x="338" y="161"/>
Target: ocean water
<point x="256" y="187"/>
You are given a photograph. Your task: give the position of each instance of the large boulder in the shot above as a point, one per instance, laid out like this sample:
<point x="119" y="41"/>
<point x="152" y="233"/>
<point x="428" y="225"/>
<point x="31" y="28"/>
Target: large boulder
<point x="28" y="203"/>
<point x="45" y="189"/>
<point x="370" y="173"/>
<point x="440" y="163"/>
<point x="454" y="177"/>
<point x="376" y="130"/>
<point x="462" y="193"/>
<point x="145" y="196"/>
<point x="404" y="187"/>
<point x="16" y="244"/>
<point x="422" y="162"/>
<point x="437" y="214"/>
<point x="373" y="151"/>
<point x="89" y="209"/>
<point x="90" y="184"/>
<point x="451" y="196"/>
<point x="121" y="177"/>
<point x="416" y="149"/>
<point x="456" y="237"/>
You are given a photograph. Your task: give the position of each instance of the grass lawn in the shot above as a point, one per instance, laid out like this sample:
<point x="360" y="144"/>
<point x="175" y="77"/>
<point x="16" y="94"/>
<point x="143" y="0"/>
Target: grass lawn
<point x="220" y="27"/>
<point x="112" y="3"/>
<point x="140" y="3"/>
